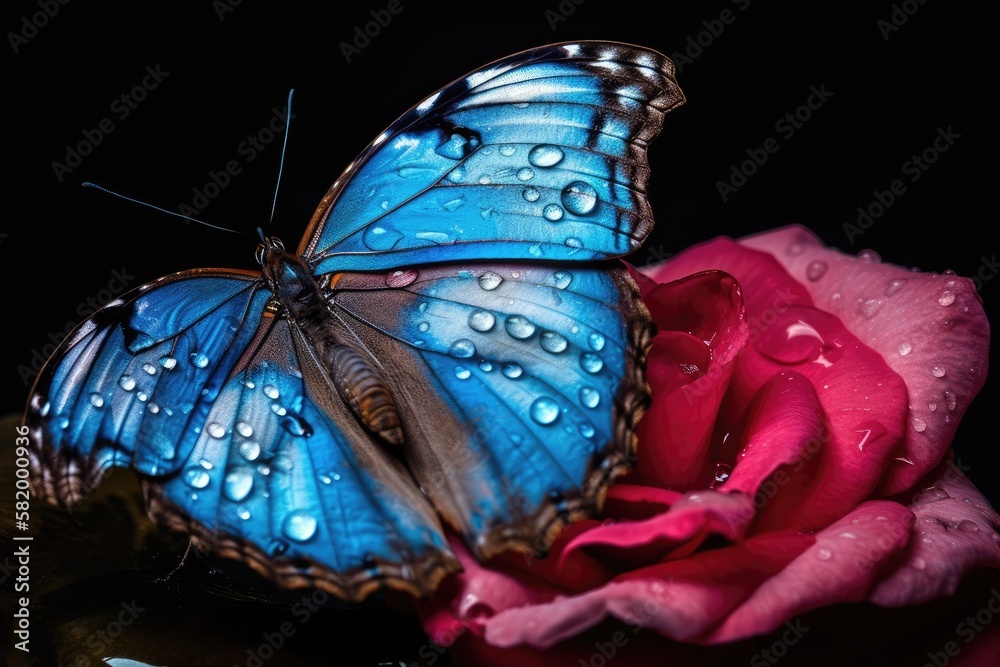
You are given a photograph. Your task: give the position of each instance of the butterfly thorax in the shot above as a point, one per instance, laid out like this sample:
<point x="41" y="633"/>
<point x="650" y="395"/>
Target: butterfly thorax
<point x="290" y="278"/>
<point x="353" y="373"/>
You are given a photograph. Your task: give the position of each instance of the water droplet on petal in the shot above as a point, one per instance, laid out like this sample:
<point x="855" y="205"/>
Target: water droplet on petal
<point x="482" y="320"/>
<point x="526" y="174"/>
<point x="490" y="281"/>
<point x="508" y="150"/>
<point x="485" y="366"/>
<point x="919" y="424"/>
<point x="553" y="343"/>
<point x="869" y="307"/>
<point x="967" y="526"/>
<point x="848" y="535"/>
<point x="938" y="371"/>
<point x="824" y="554"/>
<point x="947" y="298"/>
<point x="271" y="391"/>
<point x="816" y="270"/>
<point x="216" y="430"/>
<point x="398" y="279"/>
<point x="126" y="382"/>
<point x="905" y="349"/>
<point x="579" y="198"/>
<point x="589" y="397"/>
<point x="587" y="431"/>
<point x="545" y="155"/>
<point x="97" y="400"/>
<point x="793" y="343"/>
<point x="199" y="359"/>
<point x="423" y="326"/>
<point x="573" y="242"/>
<point x="519" y="326"/>
<point x="722" y="472"/>
<point x="869" y="257"/>
<point x="238" y="484"/>
<point x="895" y="286"/>
<point x="596" y="341"/>
<point x="243" y="513"/>
<point x="462" y="348"/>
<point x="795" y="249"/>
<point x="950" y="400"/>
<point x="544" y="410"/>
<point x="244" y="429"/>
<point x="196" y="477"/>
<point x="932" y="494"/>
<point x="462" y="373"/>
<point x="530" y="194"/>
<point x="299" y="525"/>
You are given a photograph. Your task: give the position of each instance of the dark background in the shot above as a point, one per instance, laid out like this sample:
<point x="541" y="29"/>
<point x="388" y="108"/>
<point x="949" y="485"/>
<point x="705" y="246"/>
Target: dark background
<point x="62" y="243"/>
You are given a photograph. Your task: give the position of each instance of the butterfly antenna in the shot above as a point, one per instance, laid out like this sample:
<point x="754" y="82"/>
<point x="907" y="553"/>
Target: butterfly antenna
<point x="88" y="184"/>
<point x="284" y="147"/>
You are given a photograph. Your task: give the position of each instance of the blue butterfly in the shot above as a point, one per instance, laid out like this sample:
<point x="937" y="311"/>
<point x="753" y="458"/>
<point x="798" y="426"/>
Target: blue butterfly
<point x="444" y="345"/>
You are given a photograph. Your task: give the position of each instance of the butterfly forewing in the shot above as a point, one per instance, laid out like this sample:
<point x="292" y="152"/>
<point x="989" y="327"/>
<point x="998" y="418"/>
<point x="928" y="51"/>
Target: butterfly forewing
<point x="539" y="156"/>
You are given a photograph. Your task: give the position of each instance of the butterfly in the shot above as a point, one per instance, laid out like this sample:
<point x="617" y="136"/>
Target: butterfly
<point x="448" y="346"/>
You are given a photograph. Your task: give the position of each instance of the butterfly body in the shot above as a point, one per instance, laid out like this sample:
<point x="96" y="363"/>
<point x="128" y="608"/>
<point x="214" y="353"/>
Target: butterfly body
<point x="448" y="346"/>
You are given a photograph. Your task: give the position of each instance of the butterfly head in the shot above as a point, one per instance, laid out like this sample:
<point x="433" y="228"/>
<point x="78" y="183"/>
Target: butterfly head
<point x="287" y="275"/>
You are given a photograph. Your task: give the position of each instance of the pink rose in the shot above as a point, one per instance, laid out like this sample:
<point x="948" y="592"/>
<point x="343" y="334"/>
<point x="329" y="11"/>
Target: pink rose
<point x="795" y="456"/>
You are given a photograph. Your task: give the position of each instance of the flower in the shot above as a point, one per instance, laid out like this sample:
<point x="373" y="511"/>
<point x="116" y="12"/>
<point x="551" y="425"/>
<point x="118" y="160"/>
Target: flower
<point x="795" y="456"/>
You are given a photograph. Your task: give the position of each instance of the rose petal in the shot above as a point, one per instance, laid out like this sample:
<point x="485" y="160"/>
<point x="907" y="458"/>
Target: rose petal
<point x="955" y="533"/>
<point x="699" y="318"/>
<point x="839" y="567"/>
<point x="631" y="544"/>
<point x="863" y="399"/>
<point x="467" y="599"/>
<point x="931" y="329"/>
<point x="634" y="501"/>
<point x="681" y="599"/>
<point x="784" y="419"/>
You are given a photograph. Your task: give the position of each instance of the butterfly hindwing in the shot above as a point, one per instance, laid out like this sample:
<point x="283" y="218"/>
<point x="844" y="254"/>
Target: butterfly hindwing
<point x="541" y="155"/>
<point x="128" y="385"/>
<point x="240" y="438"/>
<point x="536" y="380"/>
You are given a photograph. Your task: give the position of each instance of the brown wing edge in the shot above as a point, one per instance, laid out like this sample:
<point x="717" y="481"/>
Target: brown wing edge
<point x="419" y="577"/>
<point x="536" y="533"/>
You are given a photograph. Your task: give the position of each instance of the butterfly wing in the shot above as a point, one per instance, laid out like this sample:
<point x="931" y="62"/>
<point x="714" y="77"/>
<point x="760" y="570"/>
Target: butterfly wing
<point x="519" y="387"/>
<point x="220" y="405"/>
<point x="541" y="155"/>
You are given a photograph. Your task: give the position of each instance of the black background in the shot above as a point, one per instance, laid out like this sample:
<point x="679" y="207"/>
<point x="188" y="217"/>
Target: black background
<point x="62" y="242"/>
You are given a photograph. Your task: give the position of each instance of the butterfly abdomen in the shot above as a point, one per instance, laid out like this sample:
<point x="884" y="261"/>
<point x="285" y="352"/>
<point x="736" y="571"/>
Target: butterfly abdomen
<point x="357" y="382"/>
<point x="363" y="389"/>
